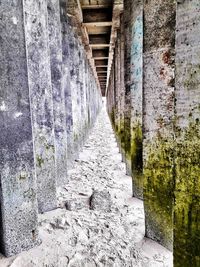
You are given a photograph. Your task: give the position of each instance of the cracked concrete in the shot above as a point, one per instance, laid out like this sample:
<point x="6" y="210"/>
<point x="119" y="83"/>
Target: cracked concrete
<point x="75" y="235"/>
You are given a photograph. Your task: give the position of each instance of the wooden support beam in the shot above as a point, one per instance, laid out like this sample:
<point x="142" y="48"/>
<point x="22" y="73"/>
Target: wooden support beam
<point x="96" y="6"/>
<point x="98" y="24"/>
<point x="99" y="39"/>
<point x="100" y="53"/>
<point x="101" y="62"/>
<point x="101" y="72"/>
<point x="101" y="58"/>
<point x="101" y="69"/>
<point x="102" y="79"/>
<point x="99" y="45"/>
<point x="99" y="30"/>
<point x="103" y="66"/>
<point x="97" y="15"/>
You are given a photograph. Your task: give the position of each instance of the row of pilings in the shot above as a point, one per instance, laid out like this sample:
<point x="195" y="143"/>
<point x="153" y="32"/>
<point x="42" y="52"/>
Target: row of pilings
<point x="49" y="100"/>
<point x="154" y="105"/>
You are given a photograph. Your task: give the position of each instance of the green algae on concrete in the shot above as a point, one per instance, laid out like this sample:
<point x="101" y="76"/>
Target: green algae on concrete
<point x="121" y="136"/>
<point x="127" y="140"/>
<point x="187" y="198"/>
<point x="112" y="117"/>
<point x="137" y="161"/>
<point x="131" y="146"/>
<point x="158" y="190"/>
<point x="40" y="161"/>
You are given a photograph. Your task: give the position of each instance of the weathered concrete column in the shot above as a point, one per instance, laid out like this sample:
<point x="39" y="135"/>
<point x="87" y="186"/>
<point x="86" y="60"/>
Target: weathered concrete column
<point x="39" y="73"/>
<point x="82" y="100"/>
<point x="73" y="47"/>
<point x="117" y="90"/>
<point x="127" y="72"/>
<point x="159" y="37"/>
<point x="116" y="93"/>
<point x="18" y="218"/>
<point x="116" y="82"/>
<point x="122" y="98"/>
<point x="86" y="96"/>
<point x="111" y="97"/>
<point x="187" y="131"/>
<point x="85" y="67"/>
<point x="79" y="89"/>
<point x="136" y="87"/>
<point x="55" y="44"/>
<point x="90" y="99"/>
<point x="67" y="70"/>
<point x="93" y="112"/>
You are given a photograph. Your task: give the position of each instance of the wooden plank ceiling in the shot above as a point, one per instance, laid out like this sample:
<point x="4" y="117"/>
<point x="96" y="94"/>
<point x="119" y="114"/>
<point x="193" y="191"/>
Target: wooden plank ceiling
<point x="99" y="21"/>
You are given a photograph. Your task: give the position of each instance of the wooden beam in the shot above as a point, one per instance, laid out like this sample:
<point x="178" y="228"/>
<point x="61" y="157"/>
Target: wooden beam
<point x="101" y="69"/>
<point x="98" y="24"/>
<point x="100" y="85"/>
<point x="99" y="39"/>
<point x="101" y="72"/>
<point x="103" y="66"/>
<point x="80" y="10"/>
<point x="101" y="58"/>
<point x="99" y="30"/>
<point x="100" y="54"/>
<point x="97" y="15"/>
<point x="102" y="79"/>
<point x="101" y="62"/>
<point x="99" y="45"/>
<point x="96" y="6"/>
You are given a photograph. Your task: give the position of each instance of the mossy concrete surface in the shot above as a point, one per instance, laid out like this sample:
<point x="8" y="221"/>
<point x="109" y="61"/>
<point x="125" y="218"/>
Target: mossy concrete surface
<point x="137" y="160"/>
<point x="187" y="133"/>
<point x="158" y="116"/>
<point x="158" y="190"/>
<point x="187" y="199"/>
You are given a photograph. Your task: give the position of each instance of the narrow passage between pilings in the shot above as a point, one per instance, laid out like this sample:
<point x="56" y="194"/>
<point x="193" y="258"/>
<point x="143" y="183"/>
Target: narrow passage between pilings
<point x="98" y="222"/>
